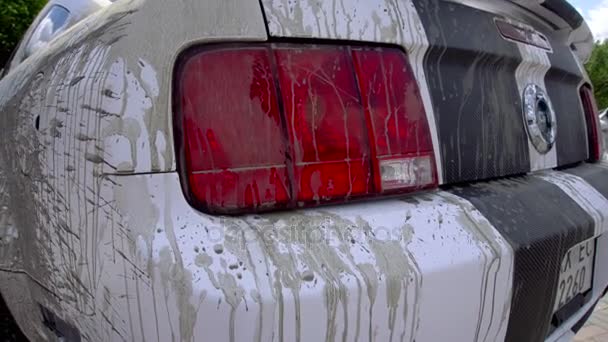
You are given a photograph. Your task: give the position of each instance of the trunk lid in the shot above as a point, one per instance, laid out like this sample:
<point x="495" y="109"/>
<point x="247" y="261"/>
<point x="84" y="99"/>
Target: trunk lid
<point x="472" y="77"/>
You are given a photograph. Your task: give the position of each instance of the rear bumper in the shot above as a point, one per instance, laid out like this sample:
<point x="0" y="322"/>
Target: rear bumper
<point x="542" y="217"/>
<point x="477" y="263"/>
<point x="569" y="329"/>
<point x="574" y="323"/>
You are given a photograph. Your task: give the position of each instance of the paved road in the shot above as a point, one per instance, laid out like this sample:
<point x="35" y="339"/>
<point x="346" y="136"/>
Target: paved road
<point x="596" y="329"/>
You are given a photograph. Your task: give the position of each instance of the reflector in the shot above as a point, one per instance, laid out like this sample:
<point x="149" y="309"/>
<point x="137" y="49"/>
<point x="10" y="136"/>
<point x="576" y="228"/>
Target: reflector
<point x="594" y="133"/>
<point x="414" y="172"/>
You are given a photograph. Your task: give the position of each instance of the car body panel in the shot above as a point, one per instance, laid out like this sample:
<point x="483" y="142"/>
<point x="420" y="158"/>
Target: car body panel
<point x="378" y="268"/>
<point x="98" y="45"/>
<point x="473" y="97"/>
<point x="81" y="138"/>
<point x="78" y="10"/>
<point x="309" y="275"/>
<point x="99" y="242"/>
<point x="541" y="222"/>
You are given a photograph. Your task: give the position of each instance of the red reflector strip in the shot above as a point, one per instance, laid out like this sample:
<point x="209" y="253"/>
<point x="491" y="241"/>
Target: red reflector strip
<point x="272" y="126"/>
<point x="593" y="125"/>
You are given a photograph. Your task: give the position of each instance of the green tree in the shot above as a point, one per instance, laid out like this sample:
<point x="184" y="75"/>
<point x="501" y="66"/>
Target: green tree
<point x="597" y="67"/>
<point x="15" y="17"/>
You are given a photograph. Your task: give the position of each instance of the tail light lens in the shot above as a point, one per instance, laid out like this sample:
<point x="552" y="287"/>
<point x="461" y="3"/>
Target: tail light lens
<point x="397" y="124"/>
<point x="235" y="150"/>
<point x="325" y="123"/>
<point x="271" y="126"/>
<point x="594" y="132"/>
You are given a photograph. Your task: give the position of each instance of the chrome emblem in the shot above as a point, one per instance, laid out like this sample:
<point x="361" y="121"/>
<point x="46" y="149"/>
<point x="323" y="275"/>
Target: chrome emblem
<point x="539" y="118"/>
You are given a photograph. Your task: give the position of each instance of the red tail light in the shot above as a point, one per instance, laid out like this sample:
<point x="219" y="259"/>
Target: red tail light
<point x="397" y="125"/>
<point x="594" y="132"/>
<point x="276" y="126"/>
<point x="325" y="122"/>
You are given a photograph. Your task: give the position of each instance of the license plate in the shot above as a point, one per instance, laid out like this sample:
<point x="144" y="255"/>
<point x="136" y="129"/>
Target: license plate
<point x="576" y="273"/>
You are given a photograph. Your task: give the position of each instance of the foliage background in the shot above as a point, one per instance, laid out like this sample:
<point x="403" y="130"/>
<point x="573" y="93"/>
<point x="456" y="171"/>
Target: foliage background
<point x="597" y="67"/>
<point x="15" y="17"/>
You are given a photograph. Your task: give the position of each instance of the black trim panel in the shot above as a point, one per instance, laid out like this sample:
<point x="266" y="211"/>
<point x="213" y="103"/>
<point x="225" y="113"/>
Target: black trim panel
<point x="562" y="83"/>
<point x="571" y="141"/>
<point x="576" y="327"/>
<point x="541" y="223"/>
<point x="470" y="71"/>
<point x="595" y="175"/>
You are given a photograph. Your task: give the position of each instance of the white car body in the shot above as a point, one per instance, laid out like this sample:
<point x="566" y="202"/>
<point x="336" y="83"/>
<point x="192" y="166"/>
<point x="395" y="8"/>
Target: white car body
<point x="99" y="241"/>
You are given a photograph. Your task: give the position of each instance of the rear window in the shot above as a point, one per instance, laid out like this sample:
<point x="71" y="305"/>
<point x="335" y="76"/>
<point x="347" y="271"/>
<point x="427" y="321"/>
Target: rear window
<point x="48" y="28"/>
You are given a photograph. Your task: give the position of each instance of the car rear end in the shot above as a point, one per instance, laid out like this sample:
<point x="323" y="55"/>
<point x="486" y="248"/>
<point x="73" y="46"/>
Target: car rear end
<point x="354" y="170"/>
<point x="367" y="100"/>
<point x="361" y="101"/>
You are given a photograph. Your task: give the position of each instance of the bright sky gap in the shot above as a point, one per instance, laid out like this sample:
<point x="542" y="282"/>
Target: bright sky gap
<point x="596" y="14"/>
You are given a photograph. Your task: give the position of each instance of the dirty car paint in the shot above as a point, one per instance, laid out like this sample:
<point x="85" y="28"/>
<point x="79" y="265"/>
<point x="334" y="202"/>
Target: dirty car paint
<point x="310" y="275"/>
<point x="95" y="227"/>
<point x="89" y="106"/>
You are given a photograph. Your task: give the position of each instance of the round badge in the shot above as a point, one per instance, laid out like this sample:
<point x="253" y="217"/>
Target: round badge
<point x="539" y="118"/>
